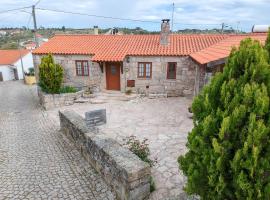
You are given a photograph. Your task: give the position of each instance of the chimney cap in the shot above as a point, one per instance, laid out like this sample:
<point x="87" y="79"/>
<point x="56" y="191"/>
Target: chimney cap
<point x="165" y="20"/>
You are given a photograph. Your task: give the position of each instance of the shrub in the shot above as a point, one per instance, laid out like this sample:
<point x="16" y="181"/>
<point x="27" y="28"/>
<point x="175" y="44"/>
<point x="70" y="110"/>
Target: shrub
<point x="142" y="150"/>
<point x="229" y="147"/>
<point x="50" y="75"/>
<point x="128" y="92"/>
<point x="139" y="148"/>
<point x="31" y="72"/>
<point x="68" y="89"/>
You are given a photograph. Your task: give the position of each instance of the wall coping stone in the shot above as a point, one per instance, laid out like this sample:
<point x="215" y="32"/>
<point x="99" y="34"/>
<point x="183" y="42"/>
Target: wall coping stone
<point x="128" y="176"/>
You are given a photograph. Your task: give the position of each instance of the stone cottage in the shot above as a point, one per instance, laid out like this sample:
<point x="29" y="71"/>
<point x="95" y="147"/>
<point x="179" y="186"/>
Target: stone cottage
<point x="171" y="64"/>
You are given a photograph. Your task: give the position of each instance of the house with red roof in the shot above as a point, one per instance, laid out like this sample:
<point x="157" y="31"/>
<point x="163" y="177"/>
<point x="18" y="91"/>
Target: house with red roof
<point x="13" y="63"/>
<point x="171" y="64"/>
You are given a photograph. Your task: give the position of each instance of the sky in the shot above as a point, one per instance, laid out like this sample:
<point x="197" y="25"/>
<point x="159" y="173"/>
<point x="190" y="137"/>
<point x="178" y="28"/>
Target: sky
<point x="202" y="14"/>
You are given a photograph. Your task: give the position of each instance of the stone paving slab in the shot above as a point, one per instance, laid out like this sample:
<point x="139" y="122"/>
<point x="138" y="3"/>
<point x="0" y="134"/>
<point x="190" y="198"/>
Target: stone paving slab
<point x="164" y="122"/>
<point x="36" y="162"/>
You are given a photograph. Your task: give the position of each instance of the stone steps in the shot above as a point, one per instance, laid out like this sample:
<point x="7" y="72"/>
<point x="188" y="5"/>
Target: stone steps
<point x="106" y="96"/>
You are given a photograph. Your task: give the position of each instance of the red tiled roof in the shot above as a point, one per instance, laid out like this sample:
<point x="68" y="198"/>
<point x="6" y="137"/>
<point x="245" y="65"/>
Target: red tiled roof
<point x="116" y="47"/>
<point x="9" y="57"/>
<point x="223" y="48"/>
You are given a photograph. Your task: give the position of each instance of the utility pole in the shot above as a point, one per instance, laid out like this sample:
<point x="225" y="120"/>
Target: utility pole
<point x="20" y="58"/>
<point x="222" y="27"/>
<point x="238" y="23"/>
<point x="172" y="15"/>
<point x="35" y="25"/>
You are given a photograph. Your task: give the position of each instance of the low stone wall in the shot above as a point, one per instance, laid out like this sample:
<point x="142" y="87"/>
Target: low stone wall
<point x="128" y="176"/>
<point x="49" y="101"/>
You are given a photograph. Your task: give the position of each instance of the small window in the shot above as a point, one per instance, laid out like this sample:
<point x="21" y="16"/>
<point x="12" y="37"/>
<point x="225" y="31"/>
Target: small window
<point x="171" y="71"/>
<point x="113" y="70"/>
<point x="144" y="70"/>
<point x="82" y="68"/>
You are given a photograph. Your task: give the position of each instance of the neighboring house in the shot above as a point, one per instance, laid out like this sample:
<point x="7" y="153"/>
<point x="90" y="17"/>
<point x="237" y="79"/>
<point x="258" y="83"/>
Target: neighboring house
<point x="11" y="62"/>
<point x="30" y="46"/>
<point x="165" y="63"/>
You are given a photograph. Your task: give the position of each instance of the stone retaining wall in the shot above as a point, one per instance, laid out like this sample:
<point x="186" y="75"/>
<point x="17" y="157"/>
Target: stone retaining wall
<point x="128" y="176"/>
<point x="49" y="101"/>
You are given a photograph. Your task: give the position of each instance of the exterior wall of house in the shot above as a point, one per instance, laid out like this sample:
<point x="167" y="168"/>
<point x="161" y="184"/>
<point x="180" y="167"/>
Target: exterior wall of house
<point x="189" y="75"/>
<point x="95" y="78"/>
<point x="7" y="72"/>
<point x="183" y="85"/>
<point x="27" y="63"/>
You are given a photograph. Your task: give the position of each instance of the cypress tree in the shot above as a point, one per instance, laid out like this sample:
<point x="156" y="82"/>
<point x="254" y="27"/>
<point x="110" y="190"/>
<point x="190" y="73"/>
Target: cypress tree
<point x="50" y="75"/>
<point x="229" y="147"/>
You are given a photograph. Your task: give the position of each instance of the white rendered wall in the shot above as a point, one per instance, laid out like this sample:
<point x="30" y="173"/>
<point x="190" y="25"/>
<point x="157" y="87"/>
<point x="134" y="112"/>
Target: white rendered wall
<point x="7" y="72"/>
<point x="27" y="63"/>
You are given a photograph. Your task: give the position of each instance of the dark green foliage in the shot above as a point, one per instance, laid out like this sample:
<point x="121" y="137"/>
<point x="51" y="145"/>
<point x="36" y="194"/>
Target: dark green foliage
<point x="229" y="147"/>
<point x="68" y="89"/>
<point x="31" y="72"/>
<point x="50" y="75"/>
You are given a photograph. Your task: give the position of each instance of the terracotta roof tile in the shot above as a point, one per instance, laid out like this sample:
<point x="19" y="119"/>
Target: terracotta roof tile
<point x="9" y="57"/>
<point x="116" y="47"/>
<point x="223" y="48"/>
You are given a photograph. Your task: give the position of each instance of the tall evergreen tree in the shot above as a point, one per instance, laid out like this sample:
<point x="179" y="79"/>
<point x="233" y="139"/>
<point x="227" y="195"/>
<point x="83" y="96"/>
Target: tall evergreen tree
<point x="229" y="147"/>
<point x="50" y="75"/>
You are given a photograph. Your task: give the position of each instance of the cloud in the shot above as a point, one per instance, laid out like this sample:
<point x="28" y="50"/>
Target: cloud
<point x="188" y="14"/>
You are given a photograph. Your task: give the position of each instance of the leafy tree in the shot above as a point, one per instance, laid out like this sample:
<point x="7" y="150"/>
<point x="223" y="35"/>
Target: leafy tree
<point x="229" y="147"/>
<point x="50" y="75"/>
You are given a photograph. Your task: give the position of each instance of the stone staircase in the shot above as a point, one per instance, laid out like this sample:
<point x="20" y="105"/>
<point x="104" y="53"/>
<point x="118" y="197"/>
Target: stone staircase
<point x="157" y="92"/>
<point x="106" y="96"/>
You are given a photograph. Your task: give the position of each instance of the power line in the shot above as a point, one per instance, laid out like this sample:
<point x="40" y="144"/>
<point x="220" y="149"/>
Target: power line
<point x="5" y="11"/>
<point x="98" y="16"/>
<point x="37" y="2"/>
<point x="29" y="20"/>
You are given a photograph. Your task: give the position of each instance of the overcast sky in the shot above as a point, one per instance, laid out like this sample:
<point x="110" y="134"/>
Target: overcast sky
<point x="188" y="13"/>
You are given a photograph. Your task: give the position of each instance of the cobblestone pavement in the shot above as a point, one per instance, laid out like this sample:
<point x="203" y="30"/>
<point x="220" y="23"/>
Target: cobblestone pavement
<point x="37" y="162"/>
<point x="164" y="122"/>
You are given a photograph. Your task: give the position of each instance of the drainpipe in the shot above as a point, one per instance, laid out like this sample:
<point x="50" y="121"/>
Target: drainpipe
<point x="125" y="74"/>
<point x="195" y="92"/>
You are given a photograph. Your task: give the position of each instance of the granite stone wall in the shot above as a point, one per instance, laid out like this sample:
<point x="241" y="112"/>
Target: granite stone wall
<point x="128" y="176"/>
<point x="95" y="79"/>
<point x="183" y="85"/>
<point x="49" y="101"/>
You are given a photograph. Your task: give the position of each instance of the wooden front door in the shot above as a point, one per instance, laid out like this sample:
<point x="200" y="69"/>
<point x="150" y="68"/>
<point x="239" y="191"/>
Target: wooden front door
<point x="113" y="76"/>
<point x="1" y="77"/>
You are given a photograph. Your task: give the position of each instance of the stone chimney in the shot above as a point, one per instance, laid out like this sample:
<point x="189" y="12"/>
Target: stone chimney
<point x="165" y="32"/>
<point x="95" y="30"/>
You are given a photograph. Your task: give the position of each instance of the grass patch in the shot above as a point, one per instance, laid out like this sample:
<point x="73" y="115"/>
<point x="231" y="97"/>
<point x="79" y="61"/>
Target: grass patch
<point x="68" y="89"/>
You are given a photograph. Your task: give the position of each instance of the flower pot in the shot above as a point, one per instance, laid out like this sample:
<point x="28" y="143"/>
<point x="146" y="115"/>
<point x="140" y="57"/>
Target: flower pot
<point x="30" y="80"/>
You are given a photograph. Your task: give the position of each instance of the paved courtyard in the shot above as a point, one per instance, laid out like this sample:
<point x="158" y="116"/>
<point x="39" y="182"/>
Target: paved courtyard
<point x="164" y="122"/>
<point x="36" y="162"/>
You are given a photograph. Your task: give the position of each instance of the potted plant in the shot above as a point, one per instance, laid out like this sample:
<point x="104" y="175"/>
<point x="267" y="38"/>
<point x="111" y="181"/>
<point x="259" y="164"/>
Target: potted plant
<point x="30" y="78"/>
